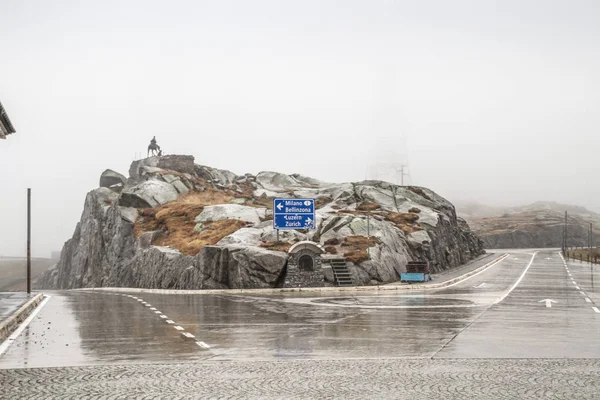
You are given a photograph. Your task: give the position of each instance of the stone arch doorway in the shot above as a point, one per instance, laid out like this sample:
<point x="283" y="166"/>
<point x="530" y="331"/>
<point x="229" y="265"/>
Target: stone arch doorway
<point x="306" y="263"/>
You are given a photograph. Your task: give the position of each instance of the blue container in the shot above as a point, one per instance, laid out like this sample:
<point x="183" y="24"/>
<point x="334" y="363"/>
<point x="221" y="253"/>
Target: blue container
<point x="414" y="277"/>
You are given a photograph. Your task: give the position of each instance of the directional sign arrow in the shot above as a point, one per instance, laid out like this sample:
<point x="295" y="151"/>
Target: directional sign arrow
<point x="279" y="206"/>
<point x="548" y="302"/>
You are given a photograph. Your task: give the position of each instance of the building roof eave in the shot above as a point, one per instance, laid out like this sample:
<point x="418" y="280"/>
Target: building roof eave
<point x="5" y="121"/>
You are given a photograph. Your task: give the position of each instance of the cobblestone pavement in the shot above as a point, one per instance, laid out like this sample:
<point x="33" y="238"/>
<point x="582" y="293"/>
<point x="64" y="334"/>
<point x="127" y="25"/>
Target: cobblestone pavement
<point x="347" y="379"/>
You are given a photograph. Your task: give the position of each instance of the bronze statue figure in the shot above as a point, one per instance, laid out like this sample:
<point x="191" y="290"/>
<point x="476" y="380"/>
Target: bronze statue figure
<point x="154" y="148"/>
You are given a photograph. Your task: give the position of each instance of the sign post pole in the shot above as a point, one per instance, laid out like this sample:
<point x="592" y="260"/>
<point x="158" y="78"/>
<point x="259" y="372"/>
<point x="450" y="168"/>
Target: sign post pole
<point x="28" y="240"/>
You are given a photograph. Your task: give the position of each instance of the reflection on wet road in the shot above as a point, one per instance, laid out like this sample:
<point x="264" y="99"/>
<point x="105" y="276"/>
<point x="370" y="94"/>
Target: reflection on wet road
<point x="464" y="320"/>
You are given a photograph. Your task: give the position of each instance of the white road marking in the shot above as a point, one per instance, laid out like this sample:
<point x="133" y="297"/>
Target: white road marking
<point x="479" y="286"/>
<point x="480" y="272"/>
<point x="577" y="287"/>
<point x="548" y="302"/>
<point x="153" y="309"/>
<point x="518" y="280"/>
<point x="178" y="328"/>
<point x="140" y="300"/>
<point x="163" y="316"/>
<point x="203" y="345"/>
<point x="158" y="312"/>
<point x="23" y="325"/>
<point x="169" y="321"/>
<point x="596" y="309"/>
<point x="581" y="293"/>
<point x="188" y="335"/>
<point x="574" y="283"/>
<point x="587" y="299"/>
<point x="148" y="305"/>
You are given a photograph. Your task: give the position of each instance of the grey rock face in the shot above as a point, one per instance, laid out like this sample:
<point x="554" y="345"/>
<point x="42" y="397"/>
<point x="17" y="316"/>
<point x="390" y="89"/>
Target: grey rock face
<point x="102" y="240"/>
<point x="104" y="251"/>
<point x="110" y="178"/>
<point x="236" y="267"/>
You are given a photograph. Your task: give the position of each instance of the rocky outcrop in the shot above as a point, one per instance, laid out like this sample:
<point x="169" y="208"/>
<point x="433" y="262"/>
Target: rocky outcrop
<point x="176" y="224"/>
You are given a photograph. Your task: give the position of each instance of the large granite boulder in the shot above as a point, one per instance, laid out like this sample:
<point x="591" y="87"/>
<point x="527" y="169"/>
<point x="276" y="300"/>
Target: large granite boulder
<point x="248" y="214"/>
<point x="112" y="179"/>
<point x="148" y="194"/>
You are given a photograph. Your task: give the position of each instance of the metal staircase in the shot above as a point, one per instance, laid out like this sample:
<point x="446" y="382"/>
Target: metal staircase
<point x="341" y="273"/>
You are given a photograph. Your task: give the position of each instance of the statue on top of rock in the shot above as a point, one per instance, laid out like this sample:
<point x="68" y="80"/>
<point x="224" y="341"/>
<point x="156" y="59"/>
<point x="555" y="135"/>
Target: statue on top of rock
<point x="154" y="148"/>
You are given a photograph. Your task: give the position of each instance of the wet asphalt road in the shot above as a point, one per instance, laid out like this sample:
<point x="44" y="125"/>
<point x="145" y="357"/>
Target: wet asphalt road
<point x="497" y="314"/>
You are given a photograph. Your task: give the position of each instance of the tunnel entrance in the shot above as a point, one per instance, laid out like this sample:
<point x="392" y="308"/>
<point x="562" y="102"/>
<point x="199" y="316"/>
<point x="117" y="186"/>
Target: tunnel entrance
<point x="306" y="263"/>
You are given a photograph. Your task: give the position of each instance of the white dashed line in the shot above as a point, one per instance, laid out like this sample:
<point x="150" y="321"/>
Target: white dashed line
<point x="587" y="299"/>
<point x="581" y="293"/>
<point x="577" y="287"/>
<point x="574" y="283"/>
<point x="596" y="309"/>
<point x="171" y="322"/>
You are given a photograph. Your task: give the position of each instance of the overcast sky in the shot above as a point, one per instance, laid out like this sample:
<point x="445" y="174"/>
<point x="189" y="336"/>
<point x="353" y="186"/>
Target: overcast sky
<point x="493" y="101"/>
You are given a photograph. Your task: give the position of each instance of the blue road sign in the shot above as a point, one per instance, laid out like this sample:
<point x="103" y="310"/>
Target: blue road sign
<point x="294" y="213"/>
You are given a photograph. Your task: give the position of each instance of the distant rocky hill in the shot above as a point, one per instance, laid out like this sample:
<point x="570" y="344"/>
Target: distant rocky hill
<point x="539" y="224"/>
<point x="175" y="224"/>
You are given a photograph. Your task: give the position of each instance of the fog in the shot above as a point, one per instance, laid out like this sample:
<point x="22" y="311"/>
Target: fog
<point x="490" y="101"/>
